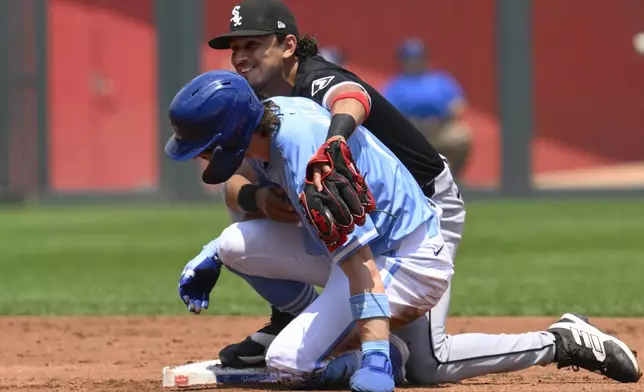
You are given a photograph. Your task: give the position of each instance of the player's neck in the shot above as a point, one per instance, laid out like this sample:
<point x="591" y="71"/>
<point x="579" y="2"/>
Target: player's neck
<point x="291" y="74"/>
<point x="283" y="87"/>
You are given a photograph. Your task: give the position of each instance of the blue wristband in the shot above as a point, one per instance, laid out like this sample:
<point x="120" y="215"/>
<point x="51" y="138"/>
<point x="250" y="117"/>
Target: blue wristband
<point x="369" y="305"/>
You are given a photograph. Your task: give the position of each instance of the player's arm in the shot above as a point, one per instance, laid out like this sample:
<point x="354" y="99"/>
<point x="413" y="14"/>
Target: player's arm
<point x="456" y="102"/>
<point x="454" y="110"/>
<point x="336" y="217"/>
<point x="240" y="191"/>
<point x="254" y="196"/>
<point x="245" y="176"/>
<point x="368" y="301"/>
<point x="349" y="248"/>
<point x="457" y="107"/>
<point x="349" y="104"/>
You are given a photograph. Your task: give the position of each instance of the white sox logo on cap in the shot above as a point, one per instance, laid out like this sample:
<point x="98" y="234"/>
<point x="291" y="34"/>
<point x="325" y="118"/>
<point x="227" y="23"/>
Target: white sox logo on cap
<point x="236" y="19"/>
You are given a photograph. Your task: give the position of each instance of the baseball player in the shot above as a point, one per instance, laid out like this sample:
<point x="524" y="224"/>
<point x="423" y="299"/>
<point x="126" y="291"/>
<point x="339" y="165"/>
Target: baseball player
<point x="389" y="268"/>
<point x="255" y="250"/>
<point x="267" y="52"/>
<point x="276" y="61"/>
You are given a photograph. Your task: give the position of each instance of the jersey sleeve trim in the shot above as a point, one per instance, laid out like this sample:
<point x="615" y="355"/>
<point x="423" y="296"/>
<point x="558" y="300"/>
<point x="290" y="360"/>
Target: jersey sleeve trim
<point x="325" y="100"/>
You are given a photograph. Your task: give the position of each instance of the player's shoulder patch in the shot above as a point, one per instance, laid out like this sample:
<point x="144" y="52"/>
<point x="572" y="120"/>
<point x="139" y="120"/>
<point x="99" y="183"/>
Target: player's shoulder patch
<point x="320" y="84"/>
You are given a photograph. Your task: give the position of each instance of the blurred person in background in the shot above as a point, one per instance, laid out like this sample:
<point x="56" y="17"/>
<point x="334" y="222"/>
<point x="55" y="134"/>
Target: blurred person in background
<point x="433" y="101"/>
<point x="334" y="55"/>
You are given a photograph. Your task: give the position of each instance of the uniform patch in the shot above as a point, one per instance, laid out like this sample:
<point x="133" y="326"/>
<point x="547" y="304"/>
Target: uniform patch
<point x="320" y="84"/>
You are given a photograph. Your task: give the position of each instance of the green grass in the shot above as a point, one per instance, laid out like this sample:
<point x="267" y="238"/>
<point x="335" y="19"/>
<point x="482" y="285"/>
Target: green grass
<point x="109" y="260"/>
<point x="545" y="258"/>
<point x="517" y="258"/>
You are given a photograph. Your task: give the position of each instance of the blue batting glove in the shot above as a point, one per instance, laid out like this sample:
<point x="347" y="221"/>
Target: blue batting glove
<point x="198" y="279"/>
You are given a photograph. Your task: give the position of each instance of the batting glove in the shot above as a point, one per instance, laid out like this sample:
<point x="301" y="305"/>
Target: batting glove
<point x="198" y="279"/>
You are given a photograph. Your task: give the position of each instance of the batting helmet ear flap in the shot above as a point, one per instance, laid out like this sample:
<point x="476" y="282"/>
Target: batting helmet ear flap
<point x="222" y="165"/>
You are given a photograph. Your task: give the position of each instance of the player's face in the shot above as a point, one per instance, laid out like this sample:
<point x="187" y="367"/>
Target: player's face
<point x="257" y="59"/>
<point x="259" y="148"/>
<point x="232" y="145"/>
<point x="415" y="65"/>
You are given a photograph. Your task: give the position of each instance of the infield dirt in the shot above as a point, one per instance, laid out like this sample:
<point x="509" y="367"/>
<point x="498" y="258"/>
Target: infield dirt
<point x="127" y="353"/>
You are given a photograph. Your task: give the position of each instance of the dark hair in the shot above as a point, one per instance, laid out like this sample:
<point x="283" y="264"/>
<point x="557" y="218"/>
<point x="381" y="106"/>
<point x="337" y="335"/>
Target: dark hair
<point x="306" y="48"/>
<point x="271" y="120"/>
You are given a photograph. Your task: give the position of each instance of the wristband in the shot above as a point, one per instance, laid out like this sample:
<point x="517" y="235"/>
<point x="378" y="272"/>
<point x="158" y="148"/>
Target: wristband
<point x="246" y="198"/>
<point x="342" y="124"/>
<point x="358" y="96"/>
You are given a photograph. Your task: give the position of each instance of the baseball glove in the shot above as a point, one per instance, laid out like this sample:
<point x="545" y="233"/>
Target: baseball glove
<point x="345" y="199"/>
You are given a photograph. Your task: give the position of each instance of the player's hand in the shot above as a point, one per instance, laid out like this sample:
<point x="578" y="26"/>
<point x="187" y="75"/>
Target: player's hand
<point x="197" y="280"/>
<point x="344" y="200"/>
<point x="272" y="201"/>
<point x="334" y="156"/>
<point x="321" y="168"/>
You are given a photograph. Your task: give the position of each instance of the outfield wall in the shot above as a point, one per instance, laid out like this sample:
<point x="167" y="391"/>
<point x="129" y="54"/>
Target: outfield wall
<point x="588" y="81"/>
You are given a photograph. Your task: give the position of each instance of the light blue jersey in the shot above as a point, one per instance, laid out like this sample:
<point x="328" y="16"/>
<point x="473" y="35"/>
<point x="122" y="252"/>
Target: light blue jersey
<point x="401" y="205"/>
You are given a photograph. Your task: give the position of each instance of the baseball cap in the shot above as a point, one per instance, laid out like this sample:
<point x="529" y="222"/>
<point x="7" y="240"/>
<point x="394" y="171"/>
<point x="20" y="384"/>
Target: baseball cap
<point x="256" y="18"/>
<point x="411" y="48"/>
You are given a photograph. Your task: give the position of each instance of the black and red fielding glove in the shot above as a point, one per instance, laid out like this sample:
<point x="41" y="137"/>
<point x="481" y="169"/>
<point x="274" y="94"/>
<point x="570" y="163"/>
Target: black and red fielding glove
<point x="345" y="199"/>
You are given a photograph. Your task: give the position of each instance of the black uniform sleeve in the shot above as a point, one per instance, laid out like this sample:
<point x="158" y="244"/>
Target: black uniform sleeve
<point x="317" y="84"/>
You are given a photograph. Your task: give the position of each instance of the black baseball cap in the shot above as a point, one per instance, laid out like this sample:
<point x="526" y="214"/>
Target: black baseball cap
<point x="255" y="18"/>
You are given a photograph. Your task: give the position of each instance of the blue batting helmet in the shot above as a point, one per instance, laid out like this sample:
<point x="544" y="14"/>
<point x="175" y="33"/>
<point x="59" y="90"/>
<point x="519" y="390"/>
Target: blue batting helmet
<point x="219" y="111"/>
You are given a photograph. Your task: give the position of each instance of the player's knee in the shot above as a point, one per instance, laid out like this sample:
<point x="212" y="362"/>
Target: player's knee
<point x="422" y="372"/>
<point x="288" y="364"/>
<point x="232" y="246"/>
<point x="280" y="363"/>
<point x="429" y="295"/>
<point x="288" y="378"/>
<point x="279" y="358"/>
